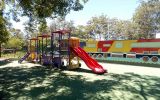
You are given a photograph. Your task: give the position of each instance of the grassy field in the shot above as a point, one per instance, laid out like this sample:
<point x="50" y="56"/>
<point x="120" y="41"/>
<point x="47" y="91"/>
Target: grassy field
<point x="16" y="55"/>
<point x="20" y="82"/>
<point x="41" y="83"/>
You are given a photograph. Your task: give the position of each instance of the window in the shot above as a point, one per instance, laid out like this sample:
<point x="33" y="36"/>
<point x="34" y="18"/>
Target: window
<point x="146" y="45"/>
<point x="119" y="45"/>
<point x="91" y="45"/>
<point x="99" y="49"/>
<point x="145" y="52"/>
<point x="106" y="45"/>
<point x="154" y="52"/>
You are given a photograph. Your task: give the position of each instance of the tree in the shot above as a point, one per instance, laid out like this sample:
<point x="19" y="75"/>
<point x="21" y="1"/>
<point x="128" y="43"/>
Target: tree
<point x="4" y="34"/>
<point x="3" y="31"/>
<point x="125" y="29"/>
<point x="60" y="23"/>
<point x="97" y="25"/>
<point x="147" y="17"/>
<point x="43" y="27"/>
<point x="15" y="43"/>
<point x="108" y="28"/>
<point x="16" y="39"/>
<point x="31" y="27"/>
<point x="16" y="33"/>
<point x="38" y="10"/>
<point x="81" y="32"/>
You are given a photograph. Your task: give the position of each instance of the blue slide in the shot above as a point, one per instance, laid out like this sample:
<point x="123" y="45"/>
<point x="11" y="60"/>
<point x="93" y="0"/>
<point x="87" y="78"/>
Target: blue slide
<point x="24" y="57"/>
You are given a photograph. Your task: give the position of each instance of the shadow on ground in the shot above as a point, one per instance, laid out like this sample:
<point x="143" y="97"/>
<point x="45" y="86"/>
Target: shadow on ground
<point x="82" y="70"/>
<point x="5" y="62"/>
<point x="41" y="83"/>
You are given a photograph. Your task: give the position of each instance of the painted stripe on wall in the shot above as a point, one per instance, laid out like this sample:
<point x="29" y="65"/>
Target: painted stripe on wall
<point x="141" y="50"/>
<point x="121" y="46"/>
<point x="149" y="40"/>
<point x="105" y="45"/>
<point x="146" y="45"/>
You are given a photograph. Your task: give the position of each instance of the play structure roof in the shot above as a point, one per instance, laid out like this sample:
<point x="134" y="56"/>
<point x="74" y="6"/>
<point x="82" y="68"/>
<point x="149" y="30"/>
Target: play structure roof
<point x="44" y="36"/>
<point x="33" y="39"/>
<point x="61" y="32"/>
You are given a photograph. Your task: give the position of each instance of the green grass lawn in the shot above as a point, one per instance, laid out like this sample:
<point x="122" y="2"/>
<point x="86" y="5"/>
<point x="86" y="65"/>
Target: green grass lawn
<point x="16" y="55"/>
<point x="40" y="83"/>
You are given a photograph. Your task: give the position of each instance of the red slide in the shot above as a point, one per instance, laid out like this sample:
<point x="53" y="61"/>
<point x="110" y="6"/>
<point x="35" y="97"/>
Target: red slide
<point x="91" y="63"/>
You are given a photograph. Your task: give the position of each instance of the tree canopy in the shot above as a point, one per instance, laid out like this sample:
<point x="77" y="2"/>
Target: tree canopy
<point x="3" y="30"/>
<point x="147" y="17"/>
<point x="16" y="39"/>
<point x="38" y="10"/>
<point x="4" y="35"/>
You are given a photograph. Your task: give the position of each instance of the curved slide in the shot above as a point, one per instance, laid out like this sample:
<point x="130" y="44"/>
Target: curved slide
<point x="91" y="63"/>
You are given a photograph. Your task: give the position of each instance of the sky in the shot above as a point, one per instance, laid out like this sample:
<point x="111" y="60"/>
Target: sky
<point x="121" y="9"/>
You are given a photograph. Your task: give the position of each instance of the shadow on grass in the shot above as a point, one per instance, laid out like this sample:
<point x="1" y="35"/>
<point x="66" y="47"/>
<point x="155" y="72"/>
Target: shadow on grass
<point x="4" y="62"/>
<point x="7" y="61"/>
<point x="42" y="83"/>
<point x="82" y="70"/>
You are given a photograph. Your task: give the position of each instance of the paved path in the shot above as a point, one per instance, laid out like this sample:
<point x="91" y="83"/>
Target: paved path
<point x="122" y="69"/>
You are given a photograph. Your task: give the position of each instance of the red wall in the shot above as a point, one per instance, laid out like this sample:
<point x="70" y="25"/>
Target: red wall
<point x="101" y="43"/>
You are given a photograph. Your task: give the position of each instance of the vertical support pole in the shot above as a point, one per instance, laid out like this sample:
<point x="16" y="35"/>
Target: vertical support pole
<point x="35" y="46"/>
<point x="69" y="49"/>
<point x="39" y="46"/>
<point x="46" y="41"/>
<point x="30" y="46"/>
<point x="42" y="46"/>
<point x="46" y="50"/>
<point x="60" y="36"/>
<point x="52" y="48"/>
<point x="39" y="42"/>
<point x="37" y="49"/>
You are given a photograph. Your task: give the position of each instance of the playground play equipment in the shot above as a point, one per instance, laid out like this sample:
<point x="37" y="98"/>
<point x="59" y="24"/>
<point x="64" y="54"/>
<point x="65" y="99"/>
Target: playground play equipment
<point x="62" y="48"/>
<point x="44" y="57"/>
<point x="32" y="53"/>
<point x="61" y="42"/>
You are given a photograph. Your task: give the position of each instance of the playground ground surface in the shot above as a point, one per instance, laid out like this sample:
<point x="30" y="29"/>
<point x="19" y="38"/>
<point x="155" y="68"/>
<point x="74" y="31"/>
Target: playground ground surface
<point x="122" y="82"/>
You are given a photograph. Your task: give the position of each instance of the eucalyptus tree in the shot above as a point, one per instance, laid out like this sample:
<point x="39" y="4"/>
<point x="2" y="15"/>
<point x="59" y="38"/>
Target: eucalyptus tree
<point x="4" y="34"/>
<point x="147" y="17"/>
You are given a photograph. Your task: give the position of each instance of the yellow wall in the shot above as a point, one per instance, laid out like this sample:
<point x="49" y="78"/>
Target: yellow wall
<point x="91" y="46"/>
<point x="121" y="46"/>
